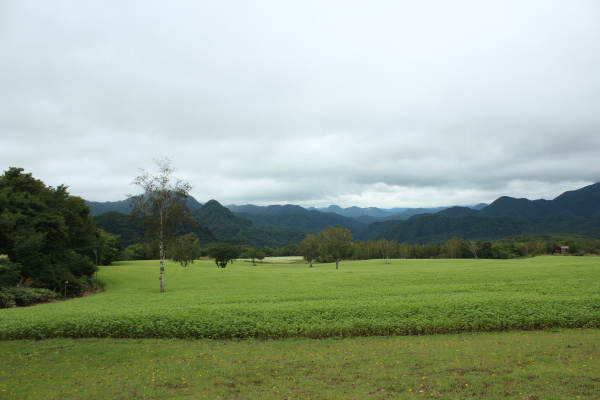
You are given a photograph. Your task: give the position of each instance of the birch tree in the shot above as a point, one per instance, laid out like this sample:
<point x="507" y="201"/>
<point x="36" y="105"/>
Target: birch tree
<point x="161" y="208"/>
<point x="384" y="249"/>
<point x="474" y="247"/>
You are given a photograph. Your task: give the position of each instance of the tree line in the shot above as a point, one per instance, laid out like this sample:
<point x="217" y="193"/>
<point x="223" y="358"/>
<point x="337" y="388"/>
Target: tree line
<point x="335" y="244"/>
<point x="318" y="247"/>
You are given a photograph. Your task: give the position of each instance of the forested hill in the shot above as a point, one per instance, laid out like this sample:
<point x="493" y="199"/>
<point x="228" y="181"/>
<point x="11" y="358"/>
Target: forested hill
<point x="584" y="202"/>
<point x="575" y="212"/>
<point x="434" y="228"/>
<point x="291" y="216"/>
<point x="123" y="206"/>
<point x="230" y="228"/>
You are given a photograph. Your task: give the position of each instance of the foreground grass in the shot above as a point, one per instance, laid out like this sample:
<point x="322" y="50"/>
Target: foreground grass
<point x="562" y="364"/>
<point x="363" y="298"/>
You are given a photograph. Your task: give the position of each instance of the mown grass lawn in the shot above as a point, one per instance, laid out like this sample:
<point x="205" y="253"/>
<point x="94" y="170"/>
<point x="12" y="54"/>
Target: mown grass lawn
<point x="555" y="365"/>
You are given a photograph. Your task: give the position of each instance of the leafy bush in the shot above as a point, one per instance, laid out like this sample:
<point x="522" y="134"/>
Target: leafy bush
<point x="7" y="300"/>
<point x="25" y="296"/>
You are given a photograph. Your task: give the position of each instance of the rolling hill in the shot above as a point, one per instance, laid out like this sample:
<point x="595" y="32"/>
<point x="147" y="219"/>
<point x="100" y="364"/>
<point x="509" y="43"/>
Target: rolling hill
<point x="291" y="216"/>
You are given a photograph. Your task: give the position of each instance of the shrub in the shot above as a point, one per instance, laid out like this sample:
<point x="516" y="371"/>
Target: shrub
<point x="25" y="296"/>
<point x="7" y="300"/>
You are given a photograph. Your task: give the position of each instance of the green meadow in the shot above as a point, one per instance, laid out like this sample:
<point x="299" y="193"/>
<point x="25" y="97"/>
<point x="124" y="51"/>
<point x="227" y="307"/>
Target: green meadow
<point x="362" y="298"/>
<point x="519" y="329"/>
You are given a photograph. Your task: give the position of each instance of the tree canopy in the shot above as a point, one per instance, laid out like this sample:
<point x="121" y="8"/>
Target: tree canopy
<point x="47" y="234"/>
<point x="336" y="243"/>
<point x="223" y="253"/>
<point x="184" y="250"/>
<point x="310" y="248"/>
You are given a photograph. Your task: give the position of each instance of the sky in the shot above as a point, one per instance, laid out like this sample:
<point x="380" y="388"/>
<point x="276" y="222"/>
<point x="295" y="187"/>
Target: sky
<point x="379" y="103"/>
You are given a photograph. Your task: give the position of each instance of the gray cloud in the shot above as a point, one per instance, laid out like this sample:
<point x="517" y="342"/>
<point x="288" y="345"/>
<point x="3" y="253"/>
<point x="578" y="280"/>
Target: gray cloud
<point x="379" y="103"/>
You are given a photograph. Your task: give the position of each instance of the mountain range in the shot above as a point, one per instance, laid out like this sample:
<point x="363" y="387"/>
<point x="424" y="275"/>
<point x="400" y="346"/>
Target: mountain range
<point x="576" y="211"/>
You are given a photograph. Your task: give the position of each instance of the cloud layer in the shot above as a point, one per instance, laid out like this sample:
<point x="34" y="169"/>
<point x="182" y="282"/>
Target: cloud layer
<point x="380" y="103"/>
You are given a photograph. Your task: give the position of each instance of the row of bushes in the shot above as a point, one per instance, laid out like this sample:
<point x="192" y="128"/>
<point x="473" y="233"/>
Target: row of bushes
<point x="25" y="296"/>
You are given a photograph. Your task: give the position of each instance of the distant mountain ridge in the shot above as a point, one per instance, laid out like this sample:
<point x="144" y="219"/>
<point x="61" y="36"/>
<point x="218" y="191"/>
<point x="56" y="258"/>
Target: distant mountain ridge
<point x="354" y="212"/>
<point x="376" y="214"/>
<point x="123" y="206"/>
<point x="576" y="212"/>
<point x="308" y="221"/>
<point x="584" y="202"/>
<point x="365" y="215"/>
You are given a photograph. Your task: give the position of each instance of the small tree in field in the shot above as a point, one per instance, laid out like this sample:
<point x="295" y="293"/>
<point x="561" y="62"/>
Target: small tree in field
<point x="260" y="255"/>
<point x="310" y="248"/>
<point x="223" y="253"/>
<point x="184" y="250"/>
<point x="384" y="248"/>
<point x="336" y="243"/>
<point x="251" y="253"/>
<point x="161" y="208"/>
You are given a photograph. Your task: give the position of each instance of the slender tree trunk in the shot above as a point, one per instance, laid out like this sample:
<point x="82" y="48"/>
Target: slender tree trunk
<point x="162" y="268"/>
<point x="161" y="241"/>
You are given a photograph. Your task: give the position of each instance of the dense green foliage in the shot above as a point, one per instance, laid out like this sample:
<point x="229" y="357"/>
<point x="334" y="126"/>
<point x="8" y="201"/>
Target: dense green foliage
<point x="362" y="298"/>
<point x="335" y="243"/>
<point x="9" y="271"/>
<point x="511" y="247"/>
<point x="223" y="253"/>
<point x="121" y="225"/>
<point x="47" y="234"/>
<point x="184" y="249"/>
<point x="310" y="249"/>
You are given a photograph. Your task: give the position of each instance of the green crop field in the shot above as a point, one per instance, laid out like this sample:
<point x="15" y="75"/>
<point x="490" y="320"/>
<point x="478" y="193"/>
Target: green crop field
<point x="362" y="298"/>
<point x="319" y="308"/>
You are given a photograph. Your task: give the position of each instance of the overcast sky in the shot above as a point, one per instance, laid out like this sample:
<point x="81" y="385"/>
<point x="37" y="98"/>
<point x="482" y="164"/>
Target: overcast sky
<point x="367" y="103"/>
